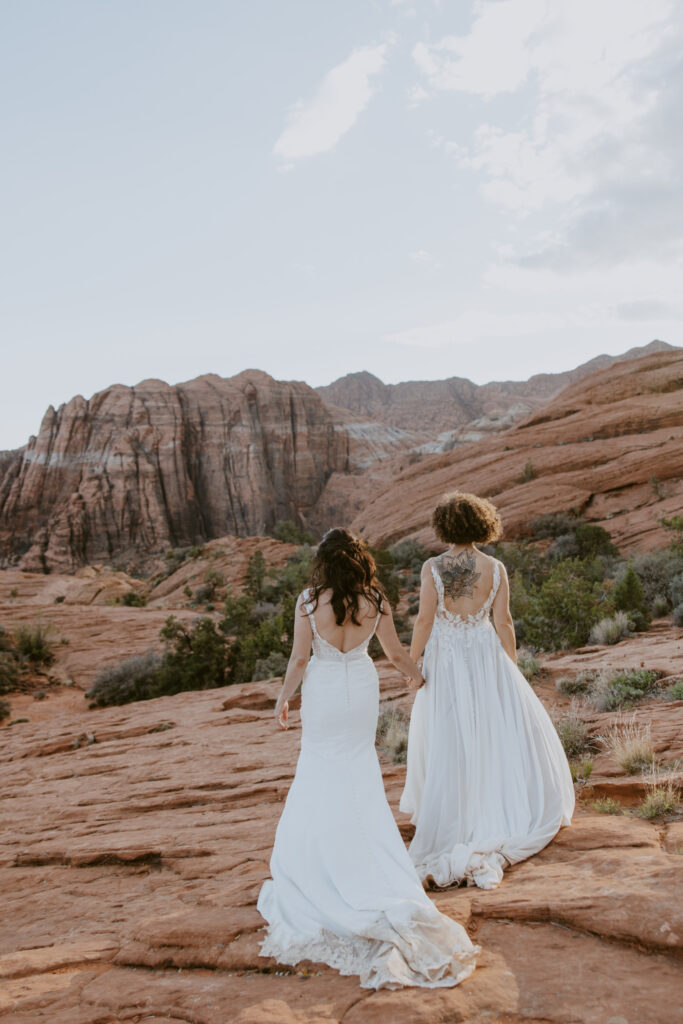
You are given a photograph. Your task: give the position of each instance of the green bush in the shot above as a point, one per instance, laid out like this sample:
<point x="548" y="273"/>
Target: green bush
<point x="676" y="590"/>
<point x="528" y="473"/>
<point x="677" y="615"/>
<point x="620" y="689"/>
<point x="134" y="678"/>
<point x="593" y="540"/>
<point x="34" y="645"/>
<point x="275" y="664"/>
<point x="196" y="657"/>
<point x="10" y="672"/>
<point x="674" y="527"/>
<point x="656" y="571"/>
<point x="553" y="524"/>
<point x="660" y="606"/>
<point x="675" y="691"/>
<point x="256" y="575"/>
<point x="5" y="709"/>
<point x="571" y="685"/>
<point x="629" y="596"/>
<point x="133" y="599"/>
<point x="409" y="554"/>
<point x="288" y="532"/>
<point x="564" y="609"/>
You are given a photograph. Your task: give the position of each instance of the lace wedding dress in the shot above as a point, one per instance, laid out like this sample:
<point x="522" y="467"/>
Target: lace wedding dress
<point x="487" y="781"/>
<point x="344" y="891"/>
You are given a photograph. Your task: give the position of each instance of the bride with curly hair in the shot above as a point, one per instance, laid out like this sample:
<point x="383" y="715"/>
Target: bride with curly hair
<point x="488" y="783"/>
<point x="344" y="890"/>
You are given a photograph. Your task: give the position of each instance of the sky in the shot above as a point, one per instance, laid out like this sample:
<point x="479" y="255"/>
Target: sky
<point x="417" y="188"/>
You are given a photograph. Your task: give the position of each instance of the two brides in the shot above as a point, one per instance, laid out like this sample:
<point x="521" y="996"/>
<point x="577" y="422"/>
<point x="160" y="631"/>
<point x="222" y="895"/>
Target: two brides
<point x="487" y="781"/>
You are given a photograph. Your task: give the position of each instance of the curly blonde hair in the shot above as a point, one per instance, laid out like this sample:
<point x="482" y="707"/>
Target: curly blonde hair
<point x="461" y="518"/>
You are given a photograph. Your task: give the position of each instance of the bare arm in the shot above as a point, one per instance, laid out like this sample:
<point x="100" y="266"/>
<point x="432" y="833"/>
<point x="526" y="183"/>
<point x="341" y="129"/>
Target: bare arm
<point x="391" y="645"/>
<point x="425" y="616"/>
<point x="298" y="659"/>
<point x="502" y="619"/>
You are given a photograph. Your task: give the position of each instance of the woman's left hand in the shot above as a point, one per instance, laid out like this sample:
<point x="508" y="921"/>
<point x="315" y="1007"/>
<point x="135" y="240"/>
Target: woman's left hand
<point x="281" y="715"/>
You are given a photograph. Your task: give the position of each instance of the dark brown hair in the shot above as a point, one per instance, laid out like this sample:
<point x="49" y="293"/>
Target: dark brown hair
<point x="344" y="565"/>
<point x="461" y="518"/>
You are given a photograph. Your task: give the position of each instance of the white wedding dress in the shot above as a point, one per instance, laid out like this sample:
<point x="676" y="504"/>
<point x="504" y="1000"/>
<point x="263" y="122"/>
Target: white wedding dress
<point x="487" y="781"/>
<point x="344" y="891"/>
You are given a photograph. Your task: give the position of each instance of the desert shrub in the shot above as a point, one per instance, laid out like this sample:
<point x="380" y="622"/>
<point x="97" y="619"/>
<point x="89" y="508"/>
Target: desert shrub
<point x="610" y="630"/>
<point x="564" y="546"/>
<point x="593" y="540"/>
<point x="629" y="596"/>
<point x="527" y="663"/>
<point x="572" y="685"/>
<point x="564" y="609"/>
<point x="677" y="615"/>
<point x="408" y="554"/>
<point x="553" y="524"/>
<point x="196" y="657"/>
<point x="674" y="527"/>
<point x="288" y="532"/>
<point x="6" y="641"/>
<point x="392" y="734"/>
<point x="656" y="570"/>
<point x="5" y="709"/>
<point x="630" y="744"/>
<point x="522" y="561"/>
<point x="275" y="664"/>
<point x="413" y="606"/>
<point x="573" y="733"/>
<point x="675" y="692"/>
<point x="256" y="575"/>
<point x="33" y="643"/>
<point x="611" y="691"/>
<point x="606" y="805"/>
<point x="133" y="678"/>
<point x="10" y="672"/>
<point x="676" y="589"/>
<point x="581" y="771"/>
<point x="133" y="599"/>
<point x="387" y="575"/>
<point x="528" y="473"/>
<point x="660" y="606"/>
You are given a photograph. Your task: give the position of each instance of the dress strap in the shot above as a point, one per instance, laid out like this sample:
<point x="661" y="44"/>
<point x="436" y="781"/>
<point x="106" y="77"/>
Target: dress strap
<point x="494" y="588"/>
<point x="307" y="606"/>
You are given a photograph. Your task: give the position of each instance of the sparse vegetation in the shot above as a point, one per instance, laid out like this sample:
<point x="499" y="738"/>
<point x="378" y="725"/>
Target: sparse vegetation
<point x="573" y="733"/>
<point x="677" y="615"/>
<point x="606" y="805"/>
<point x="675" y="691"/>
<point x="527" y="663"/>
<point x="660" y="606"/>
<point x="662" y="795"/>
<point x="630" y="744"/>
<point x="528" y="473"/>
<point x="674" y="527"/>
<point x="134" y="678"/>
<point x="275" y="664"/>
<point x="610" y="630"/>
<point x="581" y="770"/>
<point x="288" y="532"/>
<point x="572" y="685"/>
<point x="611" y="691"/>
<point x="392" y="734"/>
<point x="33" y="644"/>
<point x="134" y="599"/>
<point x="5" y="709"/>
<point x="10" y="672"/>
<point x="408" y="554"/>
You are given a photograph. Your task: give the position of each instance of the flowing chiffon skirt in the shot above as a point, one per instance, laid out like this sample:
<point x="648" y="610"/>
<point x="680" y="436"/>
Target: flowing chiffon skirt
<point x="488" y="783"/>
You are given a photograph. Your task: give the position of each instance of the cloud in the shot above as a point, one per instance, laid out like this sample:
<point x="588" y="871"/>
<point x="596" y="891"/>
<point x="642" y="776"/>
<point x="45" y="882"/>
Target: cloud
<point x="475" y="325"/>
<point x="423" y="257"/>
<point x="316" y="125"/>
<point x="597" y="147"/>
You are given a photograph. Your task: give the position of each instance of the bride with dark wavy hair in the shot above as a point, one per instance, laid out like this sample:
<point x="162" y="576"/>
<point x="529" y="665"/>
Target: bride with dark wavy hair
<point x="344" y="891"/>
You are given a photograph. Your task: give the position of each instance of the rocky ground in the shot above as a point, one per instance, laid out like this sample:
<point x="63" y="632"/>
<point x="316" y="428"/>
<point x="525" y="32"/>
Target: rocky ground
<point x="135" y="840"/>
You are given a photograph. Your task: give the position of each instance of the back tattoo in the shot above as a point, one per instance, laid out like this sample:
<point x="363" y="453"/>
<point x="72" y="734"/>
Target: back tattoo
<point x="459" y="574"/>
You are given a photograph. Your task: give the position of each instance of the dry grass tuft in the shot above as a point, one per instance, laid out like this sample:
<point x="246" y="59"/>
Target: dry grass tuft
<point x="630" y="744"/>
<point x="663" y="794"/>
<point x="606" y="805"/>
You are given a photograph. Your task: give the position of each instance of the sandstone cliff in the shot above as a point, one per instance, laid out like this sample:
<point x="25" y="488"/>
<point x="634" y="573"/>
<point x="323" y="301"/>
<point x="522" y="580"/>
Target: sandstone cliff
<point x="457" y="408"/>
<point x="609" y="446"/>
<point x="136" y="470"/>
